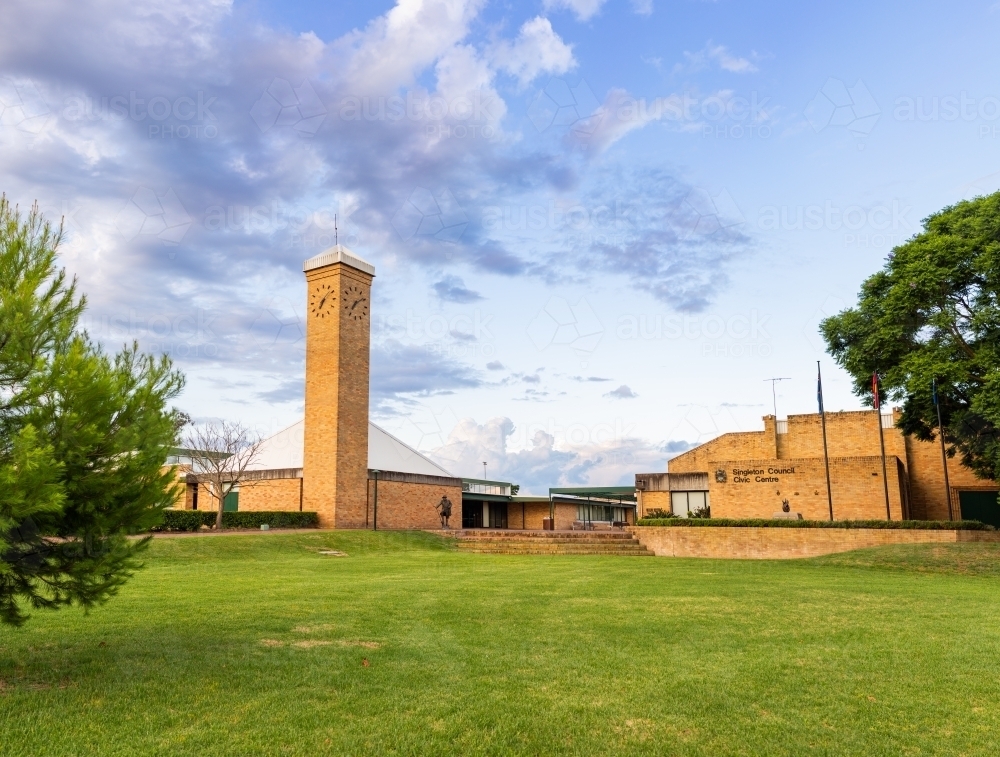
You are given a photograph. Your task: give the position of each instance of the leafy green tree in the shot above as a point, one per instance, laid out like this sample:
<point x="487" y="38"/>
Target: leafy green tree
<point x="933" y="313"/>
<point x="83" y="436"/>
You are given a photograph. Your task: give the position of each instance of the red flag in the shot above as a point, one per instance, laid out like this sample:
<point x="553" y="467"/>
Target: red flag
<point x="875" y="388"/>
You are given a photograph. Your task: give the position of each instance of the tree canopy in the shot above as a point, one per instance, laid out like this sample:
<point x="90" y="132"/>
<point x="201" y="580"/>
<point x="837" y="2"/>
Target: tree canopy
<point x="933" y="314"/>
<point x="84" y="435"/>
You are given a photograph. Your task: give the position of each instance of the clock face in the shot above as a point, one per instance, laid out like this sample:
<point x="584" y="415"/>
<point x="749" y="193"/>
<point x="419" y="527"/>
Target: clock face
<point x="322" y="300"/>
<point x="355" y="302"/>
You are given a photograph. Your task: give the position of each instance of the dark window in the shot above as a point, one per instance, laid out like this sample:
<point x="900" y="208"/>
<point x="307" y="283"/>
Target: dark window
<point x="981" y="506"/>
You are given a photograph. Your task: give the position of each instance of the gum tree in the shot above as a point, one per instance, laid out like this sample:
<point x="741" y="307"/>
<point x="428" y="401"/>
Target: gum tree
<point x="933" y="314"/>
<point x="83" y="436"/>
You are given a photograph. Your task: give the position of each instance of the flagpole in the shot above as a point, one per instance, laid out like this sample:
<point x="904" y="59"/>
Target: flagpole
<point x="881" y="439"/>
<point x="826" y="452"/>
<point x="944" y="455"/>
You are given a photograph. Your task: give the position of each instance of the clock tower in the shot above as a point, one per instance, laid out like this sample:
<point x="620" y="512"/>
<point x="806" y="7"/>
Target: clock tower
<point x="338" y="337"/>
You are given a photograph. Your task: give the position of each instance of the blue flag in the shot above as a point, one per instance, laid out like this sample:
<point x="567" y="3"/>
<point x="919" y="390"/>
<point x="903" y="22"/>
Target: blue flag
<point x="819" y="388"/>
<point x="934" y="390"/>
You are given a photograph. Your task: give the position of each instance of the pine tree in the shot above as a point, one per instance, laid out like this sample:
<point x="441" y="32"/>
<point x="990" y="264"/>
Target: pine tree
<point x="84" y="436"/>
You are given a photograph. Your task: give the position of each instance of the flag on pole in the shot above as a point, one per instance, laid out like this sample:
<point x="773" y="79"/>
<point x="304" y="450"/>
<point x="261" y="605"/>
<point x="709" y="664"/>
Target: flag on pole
<point x="819" y="388"/>
<point x="875" y="393"/>
<point x="934" y="391"/>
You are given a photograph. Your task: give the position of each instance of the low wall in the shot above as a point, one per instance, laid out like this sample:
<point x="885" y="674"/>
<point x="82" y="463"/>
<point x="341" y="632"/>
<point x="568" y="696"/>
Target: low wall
<point x="752" y="543"/>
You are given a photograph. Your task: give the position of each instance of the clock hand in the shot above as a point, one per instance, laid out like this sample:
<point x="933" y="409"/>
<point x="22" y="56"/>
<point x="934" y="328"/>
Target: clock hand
<point x="322" y="301"/>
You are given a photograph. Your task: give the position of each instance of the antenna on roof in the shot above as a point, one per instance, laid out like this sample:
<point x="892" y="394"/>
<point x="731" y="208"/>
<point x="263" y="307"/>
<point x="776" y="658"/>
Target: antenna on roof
<point x="336" y="234"/>
<point x="774" y="396"/>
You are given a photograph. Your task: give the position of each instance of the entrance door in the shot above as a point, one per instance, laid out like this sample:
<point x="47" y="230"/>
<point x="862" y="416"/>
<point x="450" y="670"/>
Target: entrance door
<point x="231" y="503"/>
<point x="472" y="514"/>
<point x="981" y="506"/>
<point x="498" y="515"/>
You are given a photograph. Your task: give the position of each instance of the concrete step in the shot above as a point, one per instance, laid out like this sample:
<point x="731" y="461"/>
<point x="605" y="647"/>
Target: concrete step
<point x="565" y="551"/>
<point x="552" y="548"/>
<point x="515" y="542"/>
<point x="481" y="533"/>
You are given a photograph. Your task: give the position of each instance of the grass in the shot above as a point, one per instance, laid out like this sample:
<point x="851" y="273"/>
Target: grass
<point x="258" y="644"/>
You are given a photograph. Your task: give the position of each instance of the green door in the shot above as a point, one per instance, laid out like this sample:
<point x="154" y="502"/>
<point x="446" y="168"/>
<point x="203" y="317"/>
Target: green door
<point x="981" y="506"/>
<point x="231" y="503"/>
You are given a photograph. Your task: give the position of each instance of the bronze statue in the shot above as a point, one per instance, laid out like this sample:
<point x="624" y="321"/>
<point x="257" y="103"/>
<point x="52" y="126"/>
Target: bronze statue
<point x="444" y="508"/>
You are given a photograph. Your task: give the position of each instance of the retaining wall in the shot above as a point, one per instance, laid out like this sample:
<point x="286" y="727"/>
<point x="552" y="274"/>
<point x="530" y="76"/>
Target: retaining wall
<point x="755" y="543"/>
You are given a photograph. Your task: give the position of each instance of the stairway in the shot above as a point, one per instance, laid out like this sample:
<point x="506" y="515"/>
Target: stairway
<point x="511" y="542"/>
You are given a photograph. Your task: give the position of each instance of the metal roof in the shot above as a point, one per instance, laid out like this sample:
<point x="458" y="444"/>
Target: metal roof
<point x="607" y="493"/>
<point x="385" y="452"/>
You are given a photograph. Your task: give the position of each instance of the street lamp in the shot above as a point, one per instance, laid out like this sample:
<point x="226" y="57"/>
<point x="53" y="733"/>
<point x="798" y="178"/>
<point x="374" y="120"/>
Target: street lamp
<point x="375" y="508"/>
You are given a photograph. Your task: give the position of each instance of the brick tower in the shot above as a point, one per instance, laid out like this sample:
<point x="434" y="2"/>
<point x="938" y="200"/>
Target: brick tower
<point x="338" y="336"/>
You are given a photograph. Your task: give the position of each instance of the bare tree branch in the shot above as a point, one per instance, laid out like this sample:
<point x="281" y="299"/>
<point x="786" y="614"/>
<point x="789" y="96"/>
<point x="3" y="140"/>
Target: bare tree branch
<point x="222" y="452"/>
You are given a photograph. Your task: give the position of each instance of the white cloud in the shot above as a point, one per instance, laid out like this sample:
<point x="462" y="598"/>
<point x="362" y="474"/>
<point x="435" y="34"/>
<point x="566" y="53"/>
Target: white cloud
<point x="642" y="7"/>
<point x="395" y="48"/>
<point x="544" y="460"/>
<point x="720" y="56"/>
<point x="583" y="9"/>
<point x="537" y="50"/>
<point x="624" y="392"/>
<point x="619" y="114"/>
<point x="221" y="209"/>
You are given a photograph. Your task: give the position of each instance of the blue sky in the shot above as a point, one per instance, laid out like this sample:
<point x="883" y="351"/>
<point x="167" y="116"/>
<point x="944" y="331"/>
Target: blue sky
<point x="598" y="227"/>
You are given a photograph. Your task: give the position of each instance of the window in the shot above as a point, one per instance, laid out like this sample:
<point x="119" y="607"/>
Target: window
<point x="684" y="503"/>
<point x="600" y="513"/>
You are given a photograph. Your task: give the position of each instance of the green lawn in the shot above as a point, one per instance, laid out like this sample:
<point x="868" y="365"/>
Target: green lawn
<point x="258" y="644"/>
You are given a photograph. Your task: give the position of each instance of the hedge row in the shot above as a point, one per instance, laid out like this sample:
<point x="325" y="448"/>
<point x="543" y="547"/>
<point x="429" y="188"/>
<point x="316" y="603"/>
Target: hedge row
<point x="193" y="520"/>
<point x="917" y="525"/>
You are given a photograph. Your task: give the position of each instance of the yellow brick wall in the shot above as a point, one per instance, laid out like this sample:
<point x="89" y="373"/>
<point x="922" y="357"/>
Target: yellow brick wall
<point x="853" y="434"/>
<point x="335" y="466"/>
<point x="734" y="446"/>
<point x="785" y="543"/>
<point x="403" y="505"/>
<point x="565" y="516"/>
<point x="271" y="496"/>
<point x="651" y="501"/>
<point x="849" y="434"/>
<point x="927" y="480"/>
<point x="179" y="487"/>
<point x="533" y="515"/>
<point x="856" y="483"/>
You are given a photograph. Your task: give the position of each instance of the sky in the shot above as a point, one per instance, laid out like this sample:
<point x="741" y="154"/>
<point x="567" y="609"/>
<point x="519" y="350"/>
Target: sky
<point x="599" y="227"/>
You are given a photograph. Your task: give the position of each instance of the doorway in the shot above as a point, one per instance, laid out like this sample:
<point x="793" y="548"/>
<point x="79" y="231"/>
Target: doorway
<point x="472" y="514"/>
<point x="498" y="515"/>
<point x="981" y="506"/>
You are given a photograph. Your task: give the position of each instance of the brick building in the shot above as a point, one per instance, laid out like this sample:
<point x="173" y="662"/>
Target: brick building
<point x="410" y="485"/>
<point x="760" y="473"/>
<point x="335" y="462"/>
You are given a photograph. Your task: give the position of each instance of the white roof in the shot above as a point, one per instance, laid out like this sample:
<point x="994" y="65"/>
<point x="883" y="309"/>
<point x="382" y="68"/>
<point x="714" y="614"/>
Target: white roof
<point x="385" y="452"/>
<point x="338" y="254"/>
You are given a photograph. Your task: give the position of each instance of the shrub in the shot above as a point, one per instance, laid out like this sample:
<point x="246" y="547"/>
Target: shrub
<point x="658" y="513"/>
<point x="273" y="519"/>
<point x="192" y="520"/>
<point x="181" y="520"/>
<point x="917" y="525"/>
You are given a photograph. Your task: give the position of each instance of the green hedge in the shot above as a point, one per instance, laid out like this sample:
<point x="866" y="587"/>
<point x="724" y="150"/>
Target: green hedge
<point x="192" y="520"/>
<point x="917" y="525"/>
<point x="272" y="519"/>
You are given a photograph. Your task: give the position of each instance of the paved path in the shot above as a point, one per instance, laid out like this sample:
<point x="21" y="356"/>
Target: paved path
<point x="239" y="532"/>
